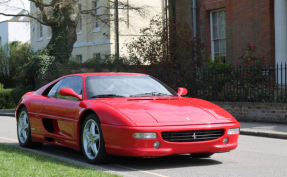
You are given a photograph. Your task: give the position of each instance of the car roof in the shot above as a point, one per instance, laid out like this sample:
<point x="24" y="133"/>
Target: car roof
<point x="104" y="73"/>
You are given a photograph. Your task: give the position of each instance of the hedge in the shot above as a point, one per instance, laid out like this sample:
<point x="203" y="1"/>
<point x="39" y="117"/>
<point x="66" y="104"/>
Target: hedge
<point x="6" y="101"/>
<point x="16" y="94"/>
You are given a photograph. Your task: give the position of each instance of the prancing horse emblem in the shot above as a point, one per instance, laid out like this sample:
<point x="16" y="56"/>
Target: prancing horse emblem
<point x="194" y="136"/>
<point x="187" y="118"/>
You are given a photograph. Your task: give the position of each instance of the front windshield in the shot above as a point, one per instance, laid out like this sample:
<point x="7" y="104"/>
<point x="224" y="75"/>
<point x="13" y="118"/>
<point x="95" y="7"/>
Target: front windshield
<point x="125" y="86"/>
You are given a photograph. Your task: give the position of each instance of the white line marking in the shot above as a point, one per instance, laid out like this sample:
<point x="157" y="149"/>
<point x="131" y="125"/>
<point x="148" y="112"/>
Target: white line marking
<point x="139" y="170"/>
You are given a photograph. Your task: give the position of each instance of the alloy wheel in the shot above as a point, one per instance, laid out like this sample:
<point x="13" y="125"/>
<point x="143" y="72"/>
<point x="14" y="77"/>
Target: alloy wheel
<point x="91" y="139"/>
<point x="23" y="127"/>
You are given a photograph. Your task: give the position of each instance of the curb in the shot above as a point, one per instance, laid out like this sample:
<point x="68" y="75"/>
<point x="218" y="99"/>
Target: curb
<point x="11" y="115"/>
<point x="264" y="134"/>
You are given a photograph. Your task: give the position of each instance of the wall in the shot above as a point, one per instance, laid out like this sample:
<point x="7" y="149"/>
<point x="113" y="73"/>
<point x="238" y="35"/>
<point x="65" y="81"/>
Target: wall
<point x="19" y="31"/>
<point x="246" y="21"/>
<point x="184" y="12"/>
<point x="257" y="112"/>
<point x="131" y="29"/>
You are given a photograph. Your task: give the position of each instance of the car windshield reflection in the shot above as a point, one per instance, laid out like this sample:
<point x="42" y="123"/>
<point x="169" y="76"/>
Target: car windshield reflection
<point x="125" y="86"/>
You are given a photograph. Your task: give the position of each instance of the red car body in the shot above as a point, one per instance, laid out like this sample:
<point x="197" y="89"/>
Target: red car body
<point x="121" y="117"/>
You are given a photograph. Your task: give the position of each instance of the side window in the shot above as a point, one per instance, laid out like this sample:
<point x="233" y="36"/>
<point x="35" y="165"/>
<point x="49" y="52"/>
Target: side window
<point x="75" y="83"/>
<point x="53" y="90"/>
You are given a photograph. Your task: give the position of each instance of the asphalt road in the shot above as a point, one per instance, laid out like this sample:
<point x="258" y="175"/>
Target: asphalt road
<point x="255" y="156"/>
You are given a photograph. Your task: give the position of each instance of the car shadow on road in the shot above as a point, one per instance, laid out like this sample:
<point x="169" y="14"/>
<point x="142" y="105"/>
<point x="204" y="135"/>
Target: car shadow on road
<point x="167" y="162"/>
<point x="173" y="161"/>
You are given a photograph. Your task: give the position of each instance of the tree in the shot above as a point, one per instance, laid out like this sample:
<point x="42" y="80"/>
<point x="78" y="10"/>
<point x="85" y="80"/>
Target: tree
<point x="170" y="47"/>
<point x="62" y="16"/>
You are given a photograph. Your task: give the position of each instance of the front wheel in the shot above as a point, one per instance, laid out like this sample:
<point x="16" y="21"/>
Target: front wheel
<point x="23" y="130"/>
<point x="201" y="155"/>
<point x="93" y="145"/>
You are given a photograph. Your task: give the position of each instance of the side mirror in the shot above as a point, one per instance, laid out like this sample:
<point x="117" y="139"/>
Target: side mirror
<point x="69" y="92"/>
<point x="181" y="91"/>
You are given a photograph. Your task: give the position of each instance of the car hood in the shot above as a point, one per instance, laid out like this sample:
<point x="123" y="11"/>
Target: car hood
<point x="168" y="111"/>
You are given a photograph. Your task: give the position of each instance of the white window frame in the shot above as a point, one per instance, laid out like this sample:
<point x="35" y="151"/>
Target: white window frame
<point x="95" y="55"/>
<point x="211" y="33"/>
<point x="96" y="25"/>
<point x="40" y="29"/>
<point x="79" y="58"/>
<point x="49" y="29"/>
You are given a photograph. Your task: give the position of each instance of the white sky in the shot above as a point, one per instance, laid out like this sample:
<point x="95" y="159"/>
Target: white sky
<point x="12" y="7"/>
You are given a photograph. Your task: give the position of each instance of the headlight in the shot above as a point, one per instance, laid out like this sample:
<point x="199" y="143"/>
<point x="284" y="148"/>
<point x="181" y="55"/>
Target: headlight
<point x="233" y="131"/>
<point x="145" y="135"/>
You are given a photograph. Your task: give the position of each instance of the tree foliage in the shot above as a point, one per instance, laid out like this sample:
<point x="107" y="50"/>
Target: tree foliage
<point x="170" y="47"/>
<point x="13" y="56"/>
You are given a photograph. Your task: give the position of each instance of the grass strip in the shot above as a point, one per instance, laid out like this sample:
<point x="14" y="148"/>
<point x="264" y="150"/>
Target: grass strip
<point x="17" y="162"/>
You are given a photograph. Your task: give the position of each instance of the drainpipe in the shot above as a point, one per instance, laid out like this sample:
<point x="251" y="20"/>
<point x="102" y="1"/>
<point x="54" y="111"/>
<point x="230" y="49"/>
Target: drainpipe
<point x="194" y="18"/>
<point x="194" y="28"/>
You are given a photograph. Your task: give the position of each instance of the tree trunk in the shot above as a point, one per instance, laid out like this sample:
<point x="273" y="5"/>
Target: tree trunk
<point x="64" y="35"/>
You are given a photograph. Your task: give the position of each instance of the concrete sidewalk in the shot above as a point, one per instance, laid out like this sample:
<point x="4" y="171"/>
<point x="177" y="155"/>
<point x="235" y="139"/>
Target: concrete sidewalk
<point x="264" y="129"/>
<point x="247" y="128"/>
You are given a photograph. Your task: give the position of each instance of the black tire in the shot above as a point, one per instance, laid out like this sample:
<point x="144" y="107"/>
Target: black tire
<point x="24" y="130"/>
<point x="92" y="142"/>
<point x="201" y="155"/>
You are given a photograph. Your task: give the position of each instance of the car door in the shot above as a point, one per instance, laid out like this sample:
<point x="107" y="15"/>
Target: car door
<point x="59" y="111"/>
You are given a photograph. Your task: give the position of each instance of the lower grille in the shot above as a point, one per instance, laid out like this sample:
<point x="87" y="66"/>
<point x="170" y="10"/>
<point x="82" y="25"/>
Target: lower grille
<point x="192" y="136"/>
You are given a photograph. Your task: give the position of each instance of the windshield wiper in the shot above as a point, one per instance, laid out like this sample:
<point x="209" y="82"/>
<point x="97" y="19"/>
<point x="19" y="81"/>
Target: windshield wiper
<point x="106" y="96"/>
<point x="151" y="94"/>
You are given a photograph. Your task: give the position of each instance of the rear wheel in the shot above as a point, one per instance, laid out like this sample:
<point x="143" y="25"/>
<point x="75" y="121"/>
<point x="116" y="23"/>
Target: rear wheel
<point x="93" y="145"/>
<point x="201" y="155"/>
<point x="24" y="131"/>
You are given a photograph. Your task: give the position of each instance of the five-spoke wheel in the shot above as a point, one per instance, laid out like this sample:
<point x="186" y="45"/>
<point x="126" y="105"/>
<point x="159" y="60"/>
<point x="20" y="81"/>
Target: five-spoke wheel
<point x="23" y="130"/>
<point x="23" y="127"/>
<point x="93" y="145"/>
<point x="91" y="139"/>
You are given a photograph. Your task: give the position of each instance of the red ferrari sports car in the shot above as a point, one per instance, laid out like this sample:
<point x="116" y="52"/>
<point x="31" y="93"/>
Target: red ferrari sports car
<point x="104" y="114"/>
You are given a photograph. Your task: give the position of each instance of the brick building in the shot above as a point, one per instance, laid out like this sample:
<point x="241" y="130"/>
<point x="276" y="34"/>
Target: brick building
<point x="227" y="26"/>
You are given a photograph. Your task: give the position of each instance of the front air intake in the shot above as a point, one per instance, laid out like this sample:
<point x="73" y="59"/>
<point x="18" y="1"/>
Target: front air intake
<point x="192" y="136"/>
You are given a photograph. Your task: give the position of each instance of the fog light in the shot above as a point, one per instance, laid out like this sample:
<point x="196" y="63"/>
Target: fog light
<point x="156" y="145"/>
<point x="225" y="140"/>
<point x="145" y="135"/>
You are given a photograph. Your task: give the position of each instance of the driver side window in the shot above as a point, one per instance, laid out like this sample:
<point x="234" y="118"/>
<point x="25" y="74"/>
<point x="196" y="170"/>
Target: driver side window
<point x="75" y="83"/>
<point x="53" y="90"/>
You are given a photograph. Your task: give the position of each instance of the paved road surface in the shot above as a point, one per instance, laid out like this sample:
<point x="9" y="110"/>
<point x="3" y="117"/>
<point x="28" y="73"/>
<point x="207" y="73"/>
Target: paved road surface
<point x="255" y="156"/>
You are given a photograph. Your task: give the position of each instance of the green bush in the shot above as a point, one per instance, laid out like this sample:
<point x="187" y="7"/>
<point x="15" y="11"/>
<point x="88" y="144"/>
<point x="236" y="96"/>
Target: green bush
<point x="214" y="77"/>
<point x="12" y="57"/>
<point x="5" y="99"/>
<point x="16" y="94"/>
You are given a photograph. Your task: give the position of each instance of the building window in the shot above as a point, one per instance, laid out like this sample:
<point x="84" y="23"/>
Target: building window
<point x="40" y="27"/>
<point x="97" y="55"/>
<point x="95" y="5"/>
<point x="79" y="25"/>
<point x="0" y="41"/>
<point x="218" y="34"/>
<point x="49" y="32"/>
<point x="79" y="58"/>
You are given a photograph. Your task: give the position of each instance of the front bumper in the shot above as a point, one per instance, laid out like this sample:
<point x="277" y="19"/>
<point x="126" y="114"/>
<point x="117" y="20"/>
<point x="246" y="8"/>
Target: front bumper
<point x="119" y="140"/>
